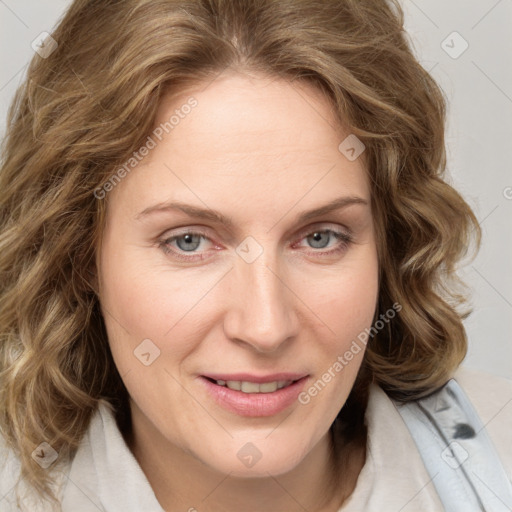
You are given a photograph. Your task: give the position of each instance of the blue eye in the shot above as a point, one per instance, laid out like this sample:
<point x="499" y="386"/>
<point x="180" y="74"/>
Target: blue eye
<point x="188" y="242"/>
<point x="319" y="237"/>
<point x="191" y="242"/>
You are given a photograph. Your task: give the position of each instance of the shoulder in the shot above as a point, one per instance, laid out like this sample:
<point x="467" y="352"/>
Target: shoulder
<point x="486" y="390"/>
<point x="491" y="397"/>
<point x="16" y="495"/>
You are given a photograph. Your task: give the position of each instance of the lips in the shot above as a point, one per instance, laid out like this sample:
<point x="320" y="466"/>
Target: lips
<point x="264" y="401"/>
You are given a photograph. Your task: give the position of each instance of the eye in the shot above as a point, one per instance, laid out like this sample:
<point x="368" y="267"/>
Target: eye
<point x="190" y="241"/>
<point x="319" y="239"/>
<point x="186" y="242"/>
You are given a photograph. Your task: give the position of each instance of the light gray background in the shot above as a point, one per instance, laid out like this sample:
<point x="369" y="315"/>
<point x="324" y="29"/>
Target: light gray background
<point x="478" y="84"/>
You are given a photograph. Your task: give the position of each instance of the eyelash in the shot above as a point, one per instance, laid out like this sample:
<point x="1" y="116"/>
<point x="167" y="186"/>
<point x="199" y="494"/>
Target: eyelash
<point x="344" y="239"/>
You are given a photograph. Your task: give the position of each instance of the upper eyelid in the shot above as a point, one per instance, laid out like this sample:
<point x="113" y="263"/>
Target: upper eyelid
<point x="317" y="226"/>
<point x="320" y="226"/>
<point x="324" y="226"/>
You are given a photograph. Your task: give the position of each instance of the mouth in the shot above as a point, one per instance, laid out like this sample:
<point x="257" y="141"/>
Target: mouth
<point x="254" y="399"/>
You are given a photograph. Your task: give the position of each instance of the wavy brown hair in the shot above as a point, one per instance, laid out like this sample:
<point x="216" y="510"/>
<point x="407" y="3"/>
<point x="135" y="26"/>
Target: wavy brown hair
<point x="82" y="111"/>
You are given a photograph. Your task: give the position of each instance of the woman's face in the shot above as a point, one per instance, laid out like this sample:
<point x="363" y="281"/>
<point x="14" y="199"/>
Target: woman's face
<point x="211" y="270"/>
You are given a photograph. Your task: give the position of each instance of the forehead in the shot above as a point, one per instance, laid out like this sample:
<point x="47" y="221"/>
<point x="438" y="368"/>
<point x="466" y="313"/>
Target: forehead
<point x="255" y="115"/>
<point x="246" y="137"/>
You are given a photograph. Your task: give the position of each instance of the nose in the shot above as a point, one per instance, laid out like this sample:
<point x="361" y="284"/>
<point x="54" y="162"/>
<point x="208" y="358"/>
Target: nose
<point x="262" y="305"/>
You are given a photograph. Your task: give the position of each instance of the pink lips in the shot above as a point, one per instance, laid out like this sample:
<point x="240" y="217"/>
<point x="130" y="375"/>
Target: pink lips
<point x="255" y="404"/>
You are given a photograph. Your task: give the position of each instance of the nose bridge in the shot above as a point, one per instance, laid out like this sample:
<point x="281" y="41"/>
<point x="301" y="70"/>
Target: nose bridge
<point x="262" y="307"/>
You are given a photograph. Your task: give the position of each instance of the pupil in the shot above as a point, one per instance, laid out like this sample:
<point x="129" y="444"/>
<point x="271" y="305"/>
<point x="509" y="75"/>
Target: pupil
<point x="187" y="243"/>
<point x="317" y="237"/>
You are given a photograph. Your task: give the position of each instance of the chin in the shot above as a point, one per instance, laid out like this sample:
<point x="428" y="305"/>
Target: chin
<point x="253" y="460"/>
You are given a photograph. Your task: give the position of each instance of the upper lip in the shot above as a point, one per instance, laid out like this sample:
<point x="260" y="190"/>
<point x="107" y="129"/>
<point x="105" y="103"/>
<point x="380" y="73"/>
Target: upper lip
<point x="259" y="379"/>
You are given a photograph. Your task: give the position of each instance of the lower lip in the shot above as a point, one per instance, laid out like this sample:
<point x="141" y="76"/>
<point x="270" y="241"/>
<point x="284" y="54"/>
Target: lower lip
<point x="255" y="404"/>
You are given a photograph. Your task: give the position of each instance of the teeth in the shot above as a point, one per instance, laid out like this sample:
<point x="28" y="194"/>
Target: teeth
<point x="234" y="384"/>
<point x="253" y="387"/>
<point x="250" y="387"/>
<point x="268" y="387"/>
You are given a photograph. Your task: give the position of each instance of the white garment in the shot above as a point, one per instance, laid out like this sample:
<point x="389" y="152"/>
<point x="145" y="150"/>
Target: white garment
<point x="105" y="476"/>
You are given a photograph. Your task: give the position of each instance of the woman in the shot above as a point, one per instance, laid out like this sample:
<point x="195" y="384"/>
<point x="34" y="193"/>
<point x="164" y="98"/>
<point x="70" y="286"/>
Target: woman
<point x="228" y="254"/>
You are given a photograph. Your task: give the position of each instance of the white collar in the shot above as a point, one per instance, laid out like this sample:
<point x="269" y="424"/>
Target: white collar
<point x="105" y="476"/>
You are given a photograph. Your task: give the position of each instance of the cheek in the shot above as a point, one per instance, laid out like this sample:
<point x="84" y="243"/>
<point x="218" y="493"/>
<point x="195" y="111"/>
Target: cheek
<point x="162" y="305"/>
<point x="347" y="308"/>
<point x="131" y="307"/>
<point x="345" y="300"/>
<point x="144" y="300"/>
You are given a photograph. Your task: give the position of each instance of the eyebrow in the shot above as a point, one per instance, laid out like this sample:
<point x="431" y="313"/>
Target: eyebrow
<point x="215" y="216"/>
